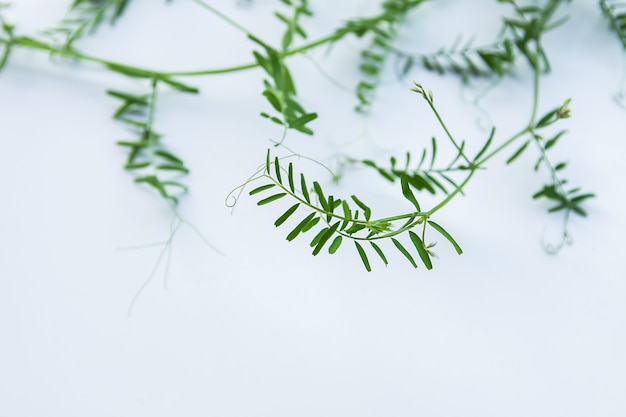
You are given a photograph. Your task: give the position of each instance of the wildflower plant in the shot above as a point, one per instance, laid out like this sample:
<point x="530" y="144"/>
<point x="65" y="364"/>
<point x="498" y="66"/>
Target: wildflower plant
<point x="331" y="222"/>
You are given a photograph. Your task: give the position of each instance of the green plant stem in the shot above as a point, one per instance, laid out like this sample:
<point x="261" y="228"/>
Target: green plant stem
<point x="450" y="196"/>
<point x="448" y="133"/>
<point x="533" y="114"/>
<point x="222" y="16"/>
<point x="529" y="127"/>
<point x="32" y="43"/>
<point x="151" y="111"/>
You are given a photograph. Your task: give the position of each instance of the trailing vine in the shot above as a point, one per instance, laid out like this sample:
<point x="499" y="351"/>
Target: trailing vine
<point x="333" y="220"/>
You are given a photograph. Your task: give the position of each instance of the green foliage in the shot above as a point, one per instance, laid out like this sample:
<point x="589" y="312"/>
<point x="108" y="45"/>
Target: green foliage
<point x="520" y="36"/>
<point x="148" y="159"/>
<point x="84" y="17"/>
<point x="423" y="176"/>
<point x="384" y="28"/>
<point x="569" y="200"/>
<point x="615" y="11"/>
<point x="280" y="90"/>
<point x="465" y="61"/>
<point x="310" y="209"/>
<point x="336" y="219"/>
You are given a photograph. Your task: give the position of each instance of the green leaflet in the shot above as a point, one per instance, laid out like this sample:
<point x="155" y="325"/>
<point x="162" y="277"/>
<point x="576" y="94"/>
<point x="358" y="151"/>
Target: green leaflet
<point x="518" y="152"/>
<point x="379" y="252"/>
<point x="335" y="244"/>
<point x="318" y="237"/>
<point x="347" y="214"/>
<point x="446" y="235"/>
<point x="406" y="253"/>
<point x="324" y="238"/>
<point x="286" y="215"/>
<point x="271" y="198"/>
<point x="320" y="195"/>
<point x="486" y="145"/>
<point x="277" y="170"/>
<point x="170" y="157"/>
<point x="300" y="227"/>
<point x="367" y="212"/>
<point x="421" y="250"/>
<point x="363" y="255"/>
<point x="407" y="193"/>
<point x="180" y="86"/>
<point x="142" y="100"/>
<point x="290" y="178"/>
<point x="262" y="188"/>
<point x="310" y="224"/>
<point x="168" y="167"/>
<point x="304" y="188"/>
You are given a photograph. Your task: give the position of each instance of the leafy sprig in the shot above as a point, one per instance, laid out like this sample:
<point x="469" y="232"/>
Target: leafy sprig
<point x="384" y="27"/>
<point x="339" y="219"/>
<point x="84" y="17"/>
<point x="280" y="90"/>
<point x="148" y="158"/>
<point x="336" y="219"/>
<point x="518" y="37"/>
<point x="422" y="176"/>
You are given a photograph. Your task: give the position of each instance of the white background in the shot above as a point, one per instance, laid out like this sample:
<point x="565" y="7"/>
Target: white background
<point x="266" y="329"/>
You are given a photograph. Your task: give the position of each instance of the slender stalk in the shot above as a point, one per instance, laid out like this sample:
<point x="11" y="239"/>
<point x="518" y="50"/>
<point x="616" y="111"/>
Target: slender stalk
<point x="31" y="43"/>
<point x="450" y="196"/>
<point x="448" y="133"/>
<point x="529" y="127"/>
<point x="222" y="16"/>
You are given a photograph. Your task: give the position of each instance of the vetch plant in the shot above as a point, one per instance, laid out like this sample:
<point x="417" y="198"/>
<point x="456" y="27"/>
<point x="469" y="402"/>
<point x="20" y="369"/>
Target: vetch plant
<point x="332" y="221"/>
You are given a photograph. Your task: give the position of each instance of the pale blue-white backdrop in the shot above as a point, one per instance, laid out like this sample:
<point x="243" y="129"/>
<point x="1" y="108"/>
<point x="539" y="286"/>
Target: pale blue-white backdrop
<point x="263" y="328"/>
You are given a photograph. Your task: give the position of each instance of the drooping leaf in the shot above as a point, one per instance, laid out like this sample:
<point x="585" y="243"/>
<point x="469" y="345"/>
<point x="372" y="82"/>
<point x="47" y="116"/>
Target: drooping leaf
<point x="407" y="193"/>
<point x="421" y="250"/>
<point x="180" y="86"/>
<point x="363" y="256"/>
<point x="404" y="251"/>
<point x="379" y="252"/>
<point x="446" y="235"/>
